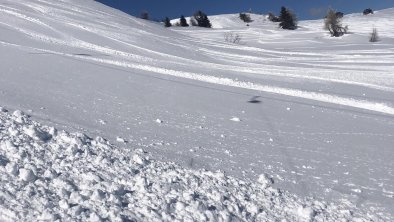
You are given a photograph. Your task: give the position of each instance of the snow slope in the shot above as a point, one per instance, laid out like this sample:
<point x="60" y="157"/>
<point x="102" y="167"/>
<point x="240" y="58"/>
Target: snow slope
<point x="321" y="120"/>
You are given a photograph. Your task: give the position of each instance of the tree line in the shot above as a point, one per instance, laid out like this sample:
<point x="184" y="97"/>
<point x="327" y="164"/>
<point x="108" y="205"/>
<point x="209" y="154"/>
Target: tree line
<point x="286" y="19"/>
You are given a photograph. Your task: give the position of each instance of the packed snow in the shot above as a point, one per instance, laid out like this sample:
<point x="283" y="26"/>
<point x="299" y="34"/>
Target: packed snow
<point x="49" y="174"/>
<point x="314" y="113"/>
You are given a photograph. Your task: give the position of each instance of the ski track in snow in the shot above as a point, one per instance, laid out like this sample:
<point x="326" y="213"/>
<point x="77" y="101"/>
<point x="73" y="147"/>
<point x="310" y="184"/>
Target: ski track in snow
<point x="321" y="97"/>
<point x="49" y="174"/>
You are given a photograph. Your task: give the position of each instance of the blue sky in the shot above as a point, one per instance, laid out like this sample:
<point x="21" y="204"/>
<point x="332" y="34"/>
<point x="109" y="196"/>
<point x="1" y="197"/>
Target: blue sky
<point x="304" y="9"/>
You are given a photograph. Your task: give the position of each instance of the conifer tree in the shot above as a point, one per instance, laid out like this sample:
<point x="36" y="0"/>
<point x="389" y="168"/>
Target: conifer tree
<point x="202" y="19"/>
<point x="287" y="19"/>
<point x="245" y="17"/>
<point x="167" y="22"/>
<point x="183" y="21"/>
<point x="145" y="15"/>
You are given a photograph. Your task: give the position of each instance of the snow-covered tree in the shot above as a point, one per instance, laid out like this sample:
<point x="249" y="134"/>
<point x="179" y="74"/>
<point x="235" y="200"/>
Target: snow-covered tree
<point x="202" y="19"/>
<point x="287" y="19"/>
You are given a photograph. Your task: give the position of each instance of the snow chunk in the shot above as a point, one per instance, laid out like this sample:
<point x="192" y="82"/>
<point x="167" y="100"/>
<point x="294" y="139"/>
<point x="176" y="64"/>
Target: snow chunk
<point x="12" y="168"/>
<point x="26" y="175"/>
<point x="235" y="119"/>
<point x="76" y="198"/>
<point x="306" y="213"/>
<point x="36" y="133"/>
<point x="138" y="159"/>
<point x="265" y="180"/>
<point x="120" y="140"/>
<point x="18" y="116"/>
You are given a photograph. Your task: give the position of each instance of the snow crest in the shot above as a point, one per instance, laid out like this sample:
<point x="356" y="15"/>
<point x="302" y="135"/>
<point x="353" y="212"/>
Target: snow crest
<point x="49" y="174"/>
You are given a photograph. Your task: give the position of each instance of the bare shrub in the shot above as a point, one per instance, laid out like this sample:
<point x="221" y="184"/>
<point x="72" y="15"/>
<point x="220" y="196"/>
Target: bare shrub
<point x="232" y="38"/>
<point x="333" y="24"/>
<point x="374" y="36"/>
<point x="272" y="17"/>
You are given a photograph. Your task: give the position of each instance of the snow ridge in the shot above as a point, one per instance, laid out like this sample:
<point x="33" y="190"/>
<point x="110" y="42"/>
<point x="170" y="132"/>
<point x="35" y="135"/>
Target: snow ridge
<point x="49" y="174"/>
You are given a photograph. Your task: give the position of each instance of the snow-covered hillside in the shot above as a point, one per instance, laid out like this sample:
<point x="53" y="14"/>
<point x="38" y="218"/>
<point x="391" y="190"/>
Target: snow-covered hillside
<point x="315" y="113"/>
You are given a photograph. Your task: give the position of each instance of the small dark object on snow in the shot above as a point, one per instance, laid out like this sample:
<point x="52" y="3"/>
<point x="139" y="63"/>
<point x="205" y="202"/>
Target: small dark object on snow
<point x="254" y="99"/>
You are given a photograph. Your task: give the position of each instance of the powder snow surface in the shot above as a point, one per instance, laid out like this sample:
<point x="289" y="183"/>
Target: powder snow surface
<point x="49" y="174"/>
<point x="313" y="112"/>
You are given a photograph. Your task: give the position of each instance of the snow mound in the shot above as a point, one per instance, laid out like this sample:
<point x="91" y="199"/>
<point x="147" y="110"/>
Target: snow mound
<point x="72" y="177"/>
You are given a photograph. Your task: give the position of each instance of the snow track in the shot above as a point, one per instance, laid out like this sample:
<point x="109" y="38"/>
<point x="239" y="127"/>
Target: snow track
<point x="321" y="97"/>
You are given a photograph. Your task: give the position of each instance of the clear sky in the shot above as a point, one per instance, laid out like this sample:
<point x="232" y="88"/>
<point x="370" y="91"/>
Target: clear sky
<point x="304" y="9"/>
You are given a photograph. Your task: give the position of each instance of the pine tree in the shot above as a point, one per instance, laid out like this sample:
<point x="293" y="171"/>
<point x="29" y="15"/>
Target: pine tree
<point x="183" y="21"/>
<point x="367" y="11"/>
<point x="245" y="17"/>
<point x="287" y="19"/>
<point x="167" y="22"/>
<point x="145" y="15"/>
<point x="202" y="19"/>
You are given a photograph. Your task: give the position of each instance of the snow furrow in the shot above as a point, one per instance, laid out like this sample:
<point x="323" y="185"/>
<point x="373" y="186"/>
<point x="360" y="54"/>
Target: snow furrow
<point x="321" y="97"/>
